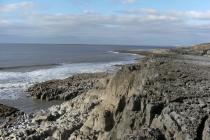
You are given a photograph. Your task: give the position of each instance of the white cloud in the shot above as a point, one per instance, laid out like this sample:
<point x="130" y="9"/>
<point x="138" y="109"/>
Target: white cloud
<point x="129" y="1"/>
<point x="140" y="26"/>
<point x="124" y="1"/>
<point x="199" y="15"/>
<point x="4" y="22"/>
<point x="16" y="6"/>
<point x="138" y="11"/>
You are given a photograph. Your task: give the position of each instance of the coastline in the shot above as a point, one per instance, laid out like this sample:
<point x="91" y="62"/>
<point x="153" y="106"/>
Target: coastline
<point x="165" y="96"/>
<point x="13" y="84"/>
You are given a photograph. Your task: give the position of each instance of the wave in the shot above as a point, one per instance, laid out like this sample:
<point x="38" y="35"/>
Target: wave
<point x="12" y="83"/>
<point x="115" y="52"/>
<point x="28" y="66"/>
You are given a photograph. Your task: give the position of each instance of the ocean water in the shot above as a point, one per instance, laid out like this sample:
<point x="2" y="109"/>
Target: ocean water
<point x="22" y="65"/>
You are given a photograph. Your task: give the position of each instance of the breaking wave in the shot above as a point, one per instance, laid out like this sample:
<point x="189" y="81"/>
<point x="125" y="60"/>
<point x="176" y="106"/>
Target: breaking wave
<point x="12" y="83"/>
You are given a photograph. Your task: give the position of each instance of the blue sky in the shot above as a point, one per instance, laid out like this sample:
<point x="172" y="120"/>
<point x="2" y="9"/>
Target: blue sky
<point x="136" y="22"/>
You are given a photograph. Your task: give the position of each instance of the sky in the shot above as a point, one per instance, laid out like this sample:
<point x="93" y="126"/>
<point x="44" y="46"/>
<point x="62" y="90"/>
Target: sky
<point x="126" y="22"/>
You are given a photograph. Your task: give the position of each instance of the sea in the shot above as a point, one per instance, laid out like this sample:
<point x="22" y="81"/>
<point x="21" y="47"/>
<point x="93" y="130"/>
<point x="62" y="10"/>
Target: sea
<point x="22" y="65"/>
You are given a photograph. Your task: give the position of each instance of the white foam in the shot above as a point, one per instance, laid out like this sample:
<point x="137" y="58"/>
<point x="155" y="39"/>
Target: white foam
<point x="13" y="83"/>
<point x="113" y="52"/>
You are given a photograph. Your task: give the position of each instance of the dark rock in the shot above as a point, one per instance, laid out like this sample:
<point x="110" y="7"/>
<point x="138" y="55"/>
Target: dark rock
<point x="6" y="111"/>
<point x="65" y="89"/>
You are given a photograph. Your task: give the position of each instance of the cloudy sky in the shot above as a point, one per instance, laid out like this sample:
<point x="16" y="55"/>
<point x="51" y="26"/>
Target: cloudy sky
<point x="137" y="22"/>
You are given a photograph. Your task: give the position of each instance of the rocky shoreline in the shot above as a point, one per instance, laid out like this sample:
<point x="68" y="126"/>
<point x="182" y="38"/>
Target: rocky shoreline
<point x="165" y="96"/>
<point x="65" y="89"/>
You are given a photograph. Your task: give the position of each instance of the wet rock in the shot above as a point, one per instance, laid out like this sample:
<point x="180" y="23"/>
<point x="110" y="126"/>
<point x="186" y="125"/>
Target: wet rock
<point x="6" y="111"/>
<point x="66" y="89"/>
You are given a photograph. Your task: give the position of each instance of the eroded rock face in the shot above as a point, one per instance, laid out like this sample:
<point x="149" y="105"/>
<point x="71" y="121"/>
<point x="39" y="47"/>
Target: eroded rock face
<point x="160" y="98"/>
<point x="157" y="99"/>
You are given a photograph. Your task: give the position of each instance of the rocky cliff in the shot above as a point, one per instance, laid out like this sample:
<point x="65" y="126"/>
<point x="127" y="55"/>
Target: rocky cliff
<point x="163" y="97"/>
